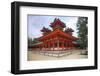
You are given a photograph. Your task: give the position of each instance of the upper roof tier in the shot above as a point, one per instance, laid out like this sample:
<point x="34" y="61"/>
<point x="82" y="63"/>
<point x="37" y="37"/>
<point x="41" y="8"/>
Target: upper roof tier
<point x="45" y="30"/>
<point x="69" y="30"/>
<point x="57" y="22"/>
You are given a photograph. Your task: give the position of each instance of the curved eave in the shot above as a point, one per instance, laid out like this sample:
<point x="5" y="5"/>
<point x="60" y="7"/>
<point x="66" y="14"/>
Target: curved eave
<point x="58" y="32"/>
<point x="63" y="26"/>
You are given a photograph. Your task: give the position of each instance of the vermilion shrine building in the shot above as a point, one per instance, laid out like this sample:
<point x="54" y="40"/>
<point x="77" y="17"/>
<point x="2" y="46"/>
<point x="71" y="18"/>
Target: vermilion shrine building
<point x="59" y="38"/>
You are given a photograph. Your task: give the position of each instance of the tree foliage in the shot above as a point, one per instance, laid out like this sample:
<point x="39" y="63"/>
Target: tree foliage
<point x="82" y="32"/>
<point x="32" y="41"/>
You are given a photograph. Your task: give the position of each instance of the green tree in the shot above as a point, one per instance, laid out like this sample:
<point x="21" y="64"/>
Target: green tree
<point x="30" y="41"/>
<point x="82" y="32"/>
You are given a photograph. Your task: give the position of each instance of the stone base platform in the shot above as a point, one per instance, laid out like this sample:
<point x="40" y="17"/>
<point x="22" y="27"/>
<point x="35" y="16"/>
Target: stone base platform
<point x="54" y="53"/>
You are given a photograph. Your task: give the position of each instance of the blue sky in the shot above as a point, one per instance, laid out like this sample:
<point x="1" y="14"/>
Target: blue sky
<point x="36" y="23"/>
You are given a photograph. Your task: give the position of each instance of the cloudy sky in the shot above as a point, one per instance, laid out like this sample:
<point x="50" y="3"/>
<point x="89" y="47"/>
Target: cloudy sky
<point x="36" y="23"/>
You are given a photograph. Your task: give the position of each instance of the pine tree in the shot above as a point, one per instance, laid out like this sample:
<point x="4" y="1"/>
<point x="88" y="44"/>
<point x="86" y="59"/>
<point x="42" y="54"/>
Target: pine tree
<point x="82" y="32"/>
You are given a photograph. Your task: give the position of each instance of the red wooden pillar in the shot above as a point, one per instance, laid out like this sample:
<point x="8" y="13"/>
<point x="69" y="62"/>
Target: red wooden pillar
<point x="44" y="46"/>
<point x="57" y="44"/>
<point x="69" y="45"/>
<point x="48" y="46"/>
<point x="53" y="46"/>
<point x="66" y="45"/>
<point x="62" y="45"/>
<point x="41" y="47"/>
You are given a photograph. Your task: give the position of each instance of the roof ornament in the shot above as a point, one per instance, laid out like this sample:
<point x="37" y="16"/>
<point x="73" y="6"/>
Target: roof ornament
<point x="57" y="24"/>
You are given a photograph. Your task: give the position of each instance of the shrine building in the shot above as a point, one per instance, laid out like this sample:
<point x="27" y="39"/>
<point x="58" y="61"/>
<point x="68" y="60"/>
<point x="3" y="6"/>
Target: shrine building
<point x="59" y="38"/>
